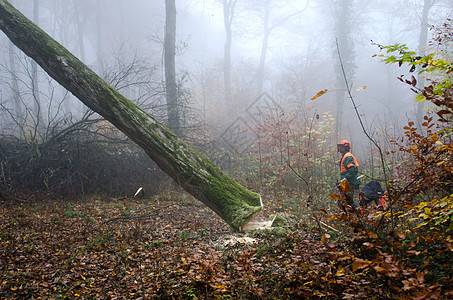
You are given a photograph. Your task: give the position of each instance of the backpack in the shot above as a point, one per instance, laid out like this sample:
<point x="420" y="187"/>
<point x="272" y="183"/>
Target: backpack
<point x="373" y="191"/>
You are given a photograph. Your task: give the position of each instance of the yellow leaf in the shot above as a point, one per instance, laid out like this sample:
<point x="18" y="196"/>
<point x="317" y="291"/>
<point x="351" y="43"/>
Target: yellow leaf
<point x="220" y="287"/>
<point x="361" y="88"/>
<point x="344" y="184"/>
<point x="424" y="216"/>
<point x="319" y="94"/>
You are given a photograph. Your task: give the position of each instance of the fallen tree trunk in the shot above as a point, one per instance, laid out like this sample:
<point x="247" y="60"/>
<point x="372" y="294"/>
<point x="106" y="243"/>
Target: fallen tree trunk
<point x="196" y="174"/>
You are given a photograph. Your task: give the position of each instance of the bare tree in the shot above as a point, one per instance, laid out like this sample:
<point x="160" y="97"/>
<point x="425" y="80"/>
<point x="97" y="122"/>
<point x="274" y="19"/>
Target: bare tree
<point x="61" y="159"/>
<point x="18" y="114"/>
<point x="100" y="42"/>
<point x="342" y="10"/>
<point x="80" y="25"/>
<point x="271" y="21"/>
<point x="228" y="15"/>
<point x="35" y="79"/>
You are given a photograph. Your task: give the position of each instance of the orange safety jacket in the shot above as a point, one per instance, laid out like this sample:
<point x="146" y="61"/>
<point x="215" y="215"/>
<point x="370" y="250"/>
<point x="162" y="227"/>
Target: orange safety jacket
<point x="342" y="167"/>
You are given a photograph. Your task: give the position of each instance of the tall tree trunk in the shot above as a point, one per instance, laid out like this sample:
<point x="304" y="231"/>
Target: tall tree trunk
<point x="100" y="36"/>
<point x="80" y="24"/>
<point x="19" y="116"/>
<point x="170" y="72"/>
<point x="196" y="174"/>
<point x="228" y="12"/>
<point x="80" y="20"/>
<point x="343" y="26"/>
<point x="39" y="122"/>
<point x="264" y="45"/>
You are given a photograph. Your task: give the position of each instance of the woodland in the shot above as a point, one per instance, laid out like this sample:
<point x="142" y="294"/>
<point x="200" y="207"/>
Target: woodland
<point x="128" y="176"/>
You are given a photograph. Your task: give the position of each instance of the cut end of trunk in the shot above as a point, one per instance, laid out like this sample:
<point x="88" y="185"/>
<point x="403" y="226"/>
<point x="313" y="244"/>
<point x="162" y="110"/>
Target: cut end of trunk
<point x="257" y="222"/>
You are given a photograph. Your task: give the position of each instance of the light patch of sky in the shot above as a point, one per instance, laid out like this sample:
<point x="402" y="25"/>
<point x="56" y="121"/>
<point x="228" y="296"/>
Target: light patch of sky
<point x="203" y="24"/>
<point x="248" y="30"/>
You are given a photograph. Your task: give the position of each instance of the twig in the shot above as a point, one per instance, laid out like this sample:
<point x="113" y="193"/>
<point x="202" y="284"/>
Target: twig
<point x="348" y="89"/>
<point x="134" y="216"/>
<point x="295" y="172"/>
<point x="309" y="196"/>
<point x="328" y="226"/>
<point x="420" y="174"/>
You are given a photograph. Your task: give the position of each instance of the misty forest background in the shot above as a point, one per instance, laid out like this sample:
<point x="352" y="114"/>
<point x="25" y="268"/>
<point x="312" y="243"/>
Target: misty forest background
<point x="55" y="144"/>
<point x="260" y="90"/>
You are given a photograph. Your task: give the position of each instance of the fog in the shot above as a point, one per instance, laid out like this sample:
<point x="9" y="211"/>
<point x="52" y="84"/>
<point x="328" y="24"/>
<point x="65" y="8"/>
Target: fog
<point x="301" y="59"/>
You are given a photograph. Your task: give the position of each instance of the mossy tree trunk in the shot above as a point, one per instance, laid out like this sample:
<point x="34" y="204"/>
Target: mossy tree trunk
<point x="196" y="174"/>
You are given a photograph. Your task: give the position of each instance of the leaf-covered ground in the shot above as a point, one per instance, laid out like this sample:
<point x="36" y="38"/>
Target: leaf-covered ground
<point x="98" y="248"/>
<point x="165" y="247"/>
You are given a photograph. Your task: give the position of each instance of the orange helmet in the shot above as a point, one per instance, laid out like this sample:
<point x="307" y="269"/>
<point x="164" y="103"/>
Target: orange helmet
<point x="346" y="143"/>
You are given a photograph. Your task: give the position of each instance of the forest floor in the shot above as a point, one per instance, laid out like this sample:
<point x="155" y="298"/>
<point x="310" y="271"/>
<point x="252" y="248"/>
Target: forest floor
<point x="165" y="247"/>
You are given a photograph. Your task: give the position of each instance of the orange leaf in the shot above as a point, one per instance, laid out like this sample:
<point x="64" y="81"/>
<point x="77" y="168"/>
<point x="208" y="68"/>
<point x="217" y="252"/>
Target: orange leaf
<point x="319" y="94"/>
<point x="335" y="196"/>
<point x="360" y="264"/>
<point x="402" y="235"/>
<point x="413" y="81"/>
<point x="324" y="238"/>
